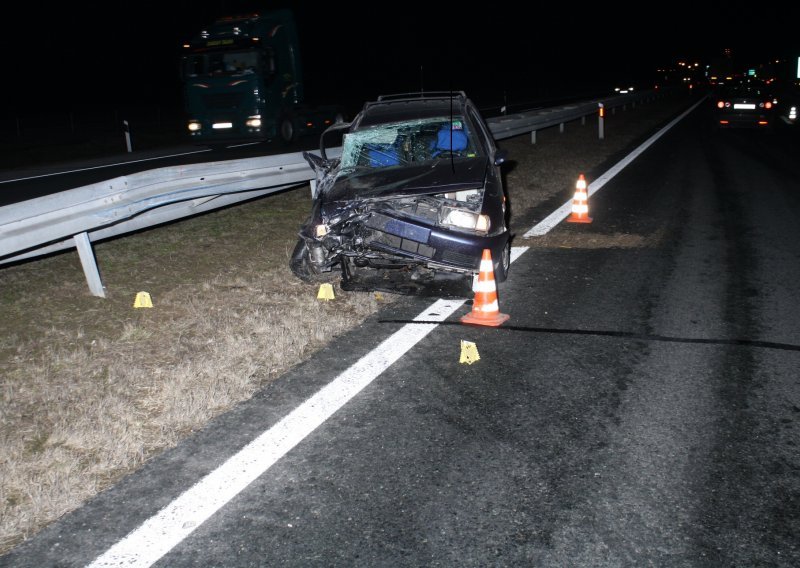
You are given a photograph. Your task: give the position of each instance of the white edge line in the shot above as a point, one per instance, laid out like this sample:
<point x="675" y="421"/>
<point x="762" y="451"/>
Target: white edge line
<point x="105" y="166"/>
<point x="549" y="222"/>
<point x="243" y="144"/>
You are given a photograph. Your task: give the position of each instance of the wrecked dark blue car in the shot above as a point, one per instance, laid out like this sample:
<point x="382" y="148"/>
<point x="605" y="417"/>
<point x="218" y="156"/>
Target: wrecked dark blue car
<point x="415" y="195"/>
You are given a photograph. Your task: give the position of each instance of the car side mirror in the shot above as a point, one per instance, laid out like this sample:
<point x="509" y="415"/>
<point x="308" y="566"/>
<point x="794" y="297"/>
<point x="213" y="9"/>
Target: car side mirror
<point x="317" y="163"/>
<point x="500" y="156"/>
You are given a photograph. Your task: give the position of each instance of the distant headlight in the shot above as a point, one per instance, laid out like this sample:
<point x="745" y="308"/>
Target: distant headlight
<point x="465" y="219"/>
<point x="254" y="121"/>
<point x="194" y="126"/>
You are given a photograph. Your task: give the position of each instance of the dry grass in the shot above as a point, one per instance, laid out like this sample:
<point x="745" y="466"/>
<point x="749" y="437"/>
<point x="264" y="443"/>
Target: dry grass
<point x="92" y="388"/>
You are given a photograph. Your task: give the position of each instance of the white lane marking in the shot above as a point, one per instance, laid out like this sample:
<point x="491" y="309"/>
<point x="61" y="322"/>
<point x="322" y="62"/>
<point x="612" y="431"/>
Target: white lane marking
<point x="517" y="252"/>
<point x="243" y="144"/>
<point x="549" y="222"/>
<point x="105" y="166"/>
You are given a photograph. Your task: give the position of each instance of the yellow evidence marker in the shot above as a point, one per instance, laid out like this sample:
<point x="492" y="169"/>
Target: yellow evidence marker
<point x="469" y="352"/>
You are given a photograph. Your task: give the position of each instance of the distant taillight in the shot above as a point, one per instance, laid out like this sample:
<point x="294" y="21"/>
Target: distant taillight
<point x="721" y="104"/>
<point x="768" y="104"/>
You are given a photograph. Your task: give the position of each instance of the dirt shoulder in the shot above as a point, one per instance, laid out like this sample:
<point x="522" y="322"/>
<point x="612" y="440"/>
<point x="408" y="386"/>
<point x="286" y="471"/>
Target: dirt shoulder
<point x="92" y="388"/>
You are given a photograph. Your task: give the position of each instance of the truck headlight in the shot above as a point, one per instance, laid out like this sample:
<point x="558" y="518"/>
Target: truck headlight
<point x="465" y="219"/>
<point x="254" y="121"/>
<point x="194" y="126"/>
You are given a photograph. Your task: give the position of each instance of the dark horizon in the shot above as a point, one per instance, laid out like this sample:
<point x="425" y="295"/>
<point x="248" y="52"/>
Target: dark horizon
<point x="355" y="54"/>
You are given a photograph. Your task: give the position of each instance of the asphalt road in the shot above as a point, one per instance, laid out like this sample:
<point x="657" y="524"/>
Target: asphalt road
<point x="640" y="408"/>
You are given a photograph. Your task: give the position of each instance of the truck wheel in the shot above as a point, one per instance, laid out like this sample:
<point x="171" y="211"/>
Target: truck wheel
<point x="288" y="131"/>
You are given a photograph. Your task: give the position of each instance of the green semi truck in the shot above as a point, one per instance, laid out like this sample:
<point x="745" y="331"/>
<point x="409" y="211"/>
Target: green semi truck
<point x="243" y="81"/>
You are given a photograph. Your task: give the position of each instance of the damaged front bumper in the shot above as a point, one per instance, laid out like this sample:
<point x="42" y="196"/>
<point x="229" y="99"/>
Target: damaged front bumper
<point x="405" y="234"/>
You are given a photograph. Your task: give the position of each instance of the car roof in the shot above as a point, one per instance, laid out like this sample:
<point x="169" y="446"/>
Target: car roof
<point x="410" y="106"/>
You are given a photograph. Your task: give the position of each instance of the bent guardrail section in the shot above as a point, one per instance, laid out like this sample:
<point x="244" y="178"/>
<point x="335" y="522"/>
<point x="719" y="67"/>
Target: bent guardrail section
<point x="76" y="217"/>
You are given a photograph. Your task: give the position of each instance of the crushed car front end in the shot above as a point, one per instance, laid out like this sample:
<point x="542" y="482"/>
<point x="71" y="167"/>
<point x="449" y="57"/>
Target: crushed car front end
<point x="395" y="202"/>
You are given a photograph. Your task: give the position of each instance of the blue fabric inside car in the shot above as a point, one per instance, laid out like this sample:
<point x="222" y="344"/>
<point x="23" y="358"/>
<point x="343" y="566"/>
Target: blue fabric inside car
<point x="443" y="138"/>
<point x="381" y="155"/>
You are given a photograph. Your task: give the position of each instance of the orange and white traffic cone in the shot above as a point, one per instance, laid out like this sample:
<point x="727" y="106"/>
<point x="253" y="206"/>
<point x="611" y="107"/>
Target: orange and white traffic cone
<point x="580" y="204"/>
<point x="485" y="310"/>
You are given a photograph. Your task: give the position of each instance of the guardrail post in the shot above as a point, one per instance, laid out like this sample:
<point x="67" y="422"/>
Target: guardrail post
<point x="600" y="118"/>
<point x="89" y="263"/>
<point x="127" y="128"/>
<point x="533" y="137"/>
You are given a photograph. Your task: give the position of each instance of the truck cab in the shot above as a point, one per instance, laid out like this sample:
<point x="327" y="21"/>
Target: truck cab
<point x="243" y="81"/>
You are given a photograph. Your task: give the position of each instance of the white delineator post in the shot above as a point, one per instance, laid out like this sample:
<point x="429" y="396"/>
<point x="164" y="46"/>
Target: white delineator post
<point x="601" y="134"/>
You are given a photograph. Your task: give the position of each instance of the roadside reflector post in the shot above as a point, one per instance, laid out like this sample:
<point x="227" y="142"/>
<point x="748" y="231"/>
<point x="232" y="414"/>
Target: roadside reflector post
<point x="127" y="129"/>
<point x="601" y="111"/>
<point x="533" y="137"/>
<point x="583" y="120"/>
<point x="561" y="128"/>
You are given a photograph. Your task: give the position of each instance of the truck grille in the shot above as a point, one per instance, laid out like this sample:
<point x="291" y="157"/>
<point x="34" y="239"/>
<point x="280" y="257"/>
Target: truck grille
<point x="222" y="101"/>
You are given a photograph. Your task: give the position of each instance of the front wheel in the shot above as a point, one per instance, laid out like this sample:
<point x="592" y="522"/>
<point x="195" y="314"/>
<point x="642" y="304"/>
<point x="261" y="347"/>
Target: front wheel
<point x="503" y="264"/>
<point x="300" y="263"/>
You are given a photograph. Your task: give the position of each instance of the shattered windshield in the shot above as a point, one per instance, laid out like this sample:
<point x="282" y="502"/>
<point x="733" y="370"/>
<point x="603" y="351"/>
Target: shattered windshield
<point x="405" y="143"/>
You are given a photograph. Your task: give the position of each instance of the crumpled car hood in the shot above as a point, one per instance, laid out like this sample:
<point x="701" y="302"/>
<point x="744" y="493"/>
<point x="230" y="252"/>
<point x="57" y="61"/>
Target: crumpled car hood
<point x="390" y="183"/>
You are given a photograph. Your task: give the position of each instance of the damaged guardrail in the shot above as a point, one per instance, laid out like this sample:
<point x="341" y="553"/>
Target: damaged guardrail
<point x="76" y="217"/>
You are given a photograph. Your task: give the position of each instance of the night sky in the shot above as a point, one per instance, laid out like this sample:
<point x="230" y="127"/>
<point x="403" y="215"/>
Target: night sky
<point x="76" y="55"/>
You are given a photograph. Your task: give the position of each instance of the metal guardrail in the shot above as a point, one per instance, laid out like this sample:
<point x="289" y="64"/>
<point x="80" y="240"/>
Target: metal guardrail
<point x="510" y="125"/>
<point x="76" y="217"/>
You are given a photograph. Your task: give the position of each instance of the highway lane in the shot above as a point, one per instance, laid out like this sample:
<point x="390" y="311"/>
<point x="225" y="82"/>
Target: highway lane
<point x="640" y="407"/>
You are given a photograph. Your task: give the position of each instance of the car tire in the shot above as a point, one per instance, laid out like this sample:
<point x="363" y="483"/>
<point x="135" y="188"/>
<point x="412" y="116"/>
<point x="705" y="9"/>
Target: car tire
<point x="503" y="264"/>
<point x="301" y="265"/>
